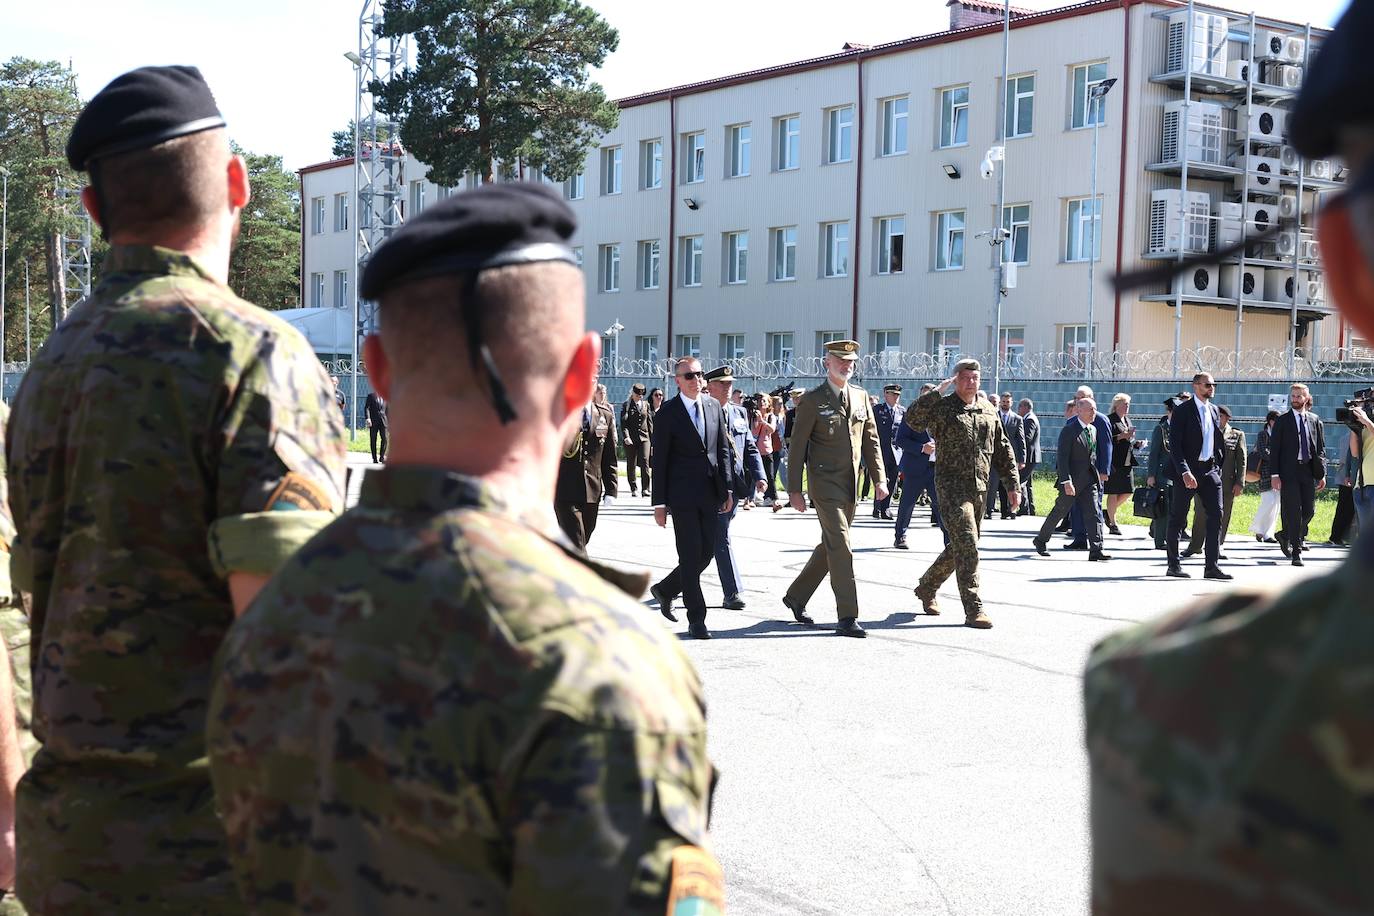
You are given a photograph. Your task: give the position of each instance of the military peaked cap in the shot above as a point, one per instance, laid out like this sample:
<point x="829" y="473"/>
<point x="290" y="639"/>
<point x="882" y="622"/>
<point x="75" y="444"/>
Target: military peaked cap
<point x="844" y="349"/>
<point x="721" y="374"/>
<point x="638" y="388"/>
<point x="142" y="108"/>
<point x="972" y="365"/>
<point x="895" y="389"/>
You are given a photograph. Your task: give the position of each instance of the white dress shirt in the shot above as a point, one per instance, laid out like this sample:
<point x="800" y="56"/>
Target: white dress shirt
<point x="694" y="413"/>
<point x="1204" y="409"/>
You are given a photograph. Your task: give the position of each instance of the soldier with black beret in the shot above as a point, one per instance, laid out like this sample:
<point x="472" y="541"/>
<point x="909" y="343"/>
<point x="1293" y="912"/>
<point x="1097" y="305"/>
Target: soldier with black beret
<point x="169" y="447"/>
<point x="440" y="705"/>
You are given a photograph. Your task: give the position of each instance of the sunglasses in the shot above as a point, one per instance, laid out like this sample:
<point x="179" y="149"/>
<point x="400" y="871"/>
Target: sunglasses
<point x="1207" y="384"/>
<point x="691" y="375"/>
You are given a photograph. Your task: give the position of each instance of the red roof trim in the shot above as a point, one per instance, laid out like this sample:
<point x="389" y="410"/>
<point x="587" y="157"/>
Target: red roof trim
<point x="324" y="166"/>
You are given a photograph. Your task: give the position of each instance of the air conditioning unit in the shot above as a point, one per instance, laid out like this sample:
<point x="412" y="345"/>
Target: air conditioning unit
<point x="1261" y="216"/>
<point x="1262" y="122"/>
<point x="1317" y="168"/>
<point x="1271" y="45"/>
<point x="1288" y="207"/>
<point x="1288" y="76"/>
<point x="1239" y="70"/>
<point x="1315" y="289"/>
<point x="1202" y="52"/>
<point x="1286" y="245"/>
<point x="1280" y="286"/>
<point x="1228" y="224"/>
<point x="1308" y="251"/>
<point x="1246" y="282"/>
<point x="1202" y="280"/>
<point x="1170" y="230"/>
<point x="1264" y="174"/>
<point x="1194" y="130"/>
<point x="1289" y="160"/>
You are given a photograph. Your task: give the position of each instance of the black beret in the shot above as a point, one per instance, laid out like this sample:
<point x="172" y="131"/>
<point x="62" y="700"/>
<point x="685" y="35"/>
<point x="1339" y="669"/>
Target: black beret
<point x="721" y="374"/>
<point x="142" y="108"/>
<point x="1338" y="88"/>
<point x="492" y="226"/>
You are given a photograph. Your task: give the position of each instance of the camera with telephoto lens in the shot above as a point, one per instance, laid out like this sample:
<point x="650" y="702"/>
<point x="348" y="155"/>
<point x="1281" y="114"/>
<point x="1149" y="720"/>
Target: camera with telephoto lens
<point x="1363" y="399"/>
<point x="782" y="390"/>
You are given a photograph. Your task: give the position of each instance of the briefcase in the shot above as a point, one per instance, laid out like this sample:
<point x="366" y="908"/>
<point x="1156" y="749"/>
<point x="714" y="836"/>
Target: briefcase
<point x="1252" y="467"/>
<point x="1147" y="502"/>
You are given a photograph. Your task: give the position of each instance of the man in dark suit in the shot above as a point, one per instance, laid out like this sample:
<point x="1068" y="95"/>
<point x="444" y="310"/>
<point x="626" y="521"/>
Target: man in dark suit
<point x="1030" y="425"/>
<point x="374" y="415"/>
<point x="918" y="476"/>
<point x="1011" y="423"/>
<point x="888" y="416"/>
<point x="636" y="423"/>
<point x="1297" y="462"/>
<point x="1197" y="450"/>
<point x="692" y="478"/>
<point x="586" y="473"/>
<point x="1079" y="481"/>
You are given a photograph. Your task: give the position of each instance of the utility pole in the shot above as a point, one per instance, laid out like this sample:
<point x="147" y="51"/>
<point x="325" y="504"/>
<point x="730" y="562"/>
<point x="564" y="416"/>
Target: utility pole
<point x="1095" y="95"/>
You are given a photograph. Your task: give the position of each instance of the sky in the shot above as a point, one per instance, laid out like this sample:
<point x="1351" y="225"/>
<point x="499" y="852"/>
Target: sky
<point x="278" y="71"/>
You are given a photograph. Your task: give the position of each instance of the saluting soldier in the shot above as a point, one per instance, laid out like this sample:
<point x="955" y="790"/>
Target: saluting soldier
<point x="169" y="447"/>
<point x="833" y="433"/>
<point x="586" y="473"/>
<point x="439" y="706"/>
<point x="972" y="442"/>
<point x="637" y="428"/>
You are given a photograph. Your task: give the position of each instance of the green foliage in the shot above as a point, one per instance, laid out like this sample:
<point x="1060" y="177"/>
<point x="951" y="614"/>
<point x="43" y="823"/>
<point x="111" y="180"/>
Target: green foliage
<point x="343" y="139"/>
<point x="265" y="267"/>
<point x="499" y="80"/>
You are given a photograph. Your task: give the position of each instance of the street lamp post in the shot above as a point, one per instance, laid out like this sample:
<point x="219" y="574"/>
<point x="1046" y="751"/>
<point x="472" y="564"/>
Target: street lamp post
<point x="357" y="63"/>
<point x="998" y="239"/>
<point x="1095" y="96"/>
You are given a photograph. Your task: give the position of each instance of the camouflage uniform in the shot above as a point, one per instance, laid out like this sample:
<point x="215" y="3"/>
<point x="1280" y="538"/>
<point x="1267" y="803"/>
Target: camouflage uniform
<point x="969" y="441"/>
<point x="167" y="435"/>
<point x="14" y="622"/>
<point x="439" y="706"/>
<point x="1230" y="748"/>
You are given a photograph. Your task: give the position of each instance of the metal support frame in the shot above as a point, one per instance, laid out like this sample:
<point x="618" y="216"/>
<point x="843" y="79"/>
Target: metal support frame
<point x="76" y="254"/>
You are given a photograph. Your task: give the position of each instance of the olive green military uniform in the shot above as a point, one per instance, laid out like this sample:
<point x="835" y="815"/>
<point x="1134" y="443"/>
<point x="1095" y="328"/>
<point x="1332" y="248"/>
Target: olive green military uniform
<point x="167" y="435"/>
<point x="834" y="431"/>
<point x="14" y="626"/>
<point x="1232" y="757"/>
<point x="586" y="474"/>
<point x="439" y="706"/>
<point x="969" y="442"/>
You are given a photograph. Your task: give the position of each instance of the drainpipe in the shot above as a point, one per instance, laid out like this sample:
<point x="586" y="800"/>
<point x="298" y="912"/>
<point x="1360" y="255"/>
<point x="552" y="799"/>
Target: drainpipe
<point x="672" y="216"/>
<point x="1121" y="177"/>
<point x="854" y="236"/>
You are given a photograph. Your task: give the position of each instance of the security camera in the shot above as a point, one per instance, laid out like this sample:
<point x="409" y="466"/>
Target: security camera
<point x="985" y="168"/>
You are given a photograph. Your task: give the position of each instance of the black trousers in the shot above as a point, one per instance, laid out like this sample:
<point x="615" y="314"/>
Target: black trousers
<point x="1208" y="493"/>
<point x="1085" y="498"/>
<point x="637" y="456"/>
<point x="1297" y="502"/>
<point x="578" y="521"/>
<point x="889" y="480"/>
<point x="770" y="463"/>
<point x="372" y="433"/>
<point x="1345" y="514"/>
<point x="1027" y="491"/>
<point x="694" y="530"/>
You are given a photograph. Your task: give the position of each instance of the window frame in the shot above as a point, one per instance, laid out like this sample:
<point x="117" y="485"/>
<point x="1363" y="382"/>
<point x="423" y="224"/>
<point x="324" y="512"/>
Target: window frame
<point x="612" y="170"/>
<point x="646" y="347"/>
<point x="780" y="247"/>
<point x="776" y="348"/>
<point x="1070" y="223"/>
<point x="945" y="235"/>
<point x="608" y="259"/>
<point x="727" y="348"/>
<point x="693" y="247"/>
<point x="788" y="142"/>
<point x="684" y="348"/>
<point x="890" y="117"/>
<point x="317" y="215"/>
<point x="694" y="157"/>
<point x="317" y="289"/>
<point x="341" y="213"/>
<point x="835" y="246"/>
<point x="1074" y="95"/>
<point x="736" y="268"/>
<point x="416" y="198"/>
<point x="937" y="340"/>
<point x="950" y="111"/>
<point x="885" y="248"/>
<point x="741" y="146"/>
<point x="837" y="134"/>
<point x="1005" y="346"/>
<point x="1013" y="96"/>
<point x="650" y="260"/>
<point x="341" y="299"/>
<point x="1011" y="224"/>
<point x="825" y="337"/>
<point x="575" y="188"/>
<point x="651" y="168"/>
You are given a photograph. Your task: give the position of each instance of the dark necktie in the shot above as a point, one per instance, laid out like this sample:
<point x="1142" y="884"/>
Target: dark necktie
<point x="1304" y="453"/>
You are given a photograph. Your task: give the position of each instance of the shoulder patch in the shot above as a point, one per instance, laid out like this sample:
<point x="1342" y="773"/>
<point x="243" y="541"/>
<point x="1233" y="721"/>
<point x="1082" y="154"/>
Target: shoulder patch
<point x="697" y="886"/>
<point x="296" y="492"/>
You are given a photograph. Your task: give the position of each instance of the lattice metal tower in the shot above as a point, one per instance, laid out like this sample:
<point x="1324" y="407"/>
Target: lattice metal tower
<point x="76" y="252"/>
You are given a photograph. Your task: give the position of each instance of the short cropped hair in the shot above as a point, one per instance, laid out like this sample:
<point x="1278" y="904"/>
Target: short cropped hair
<point x="1027" y="402"/>
<point x="170" y="186"/>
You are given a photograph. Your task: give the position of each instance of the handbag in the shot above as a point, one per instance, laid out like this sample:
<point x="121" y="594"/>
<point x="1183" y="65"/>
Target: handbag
<point x="1252" y="467"/>
<point x="1146" y="502"/>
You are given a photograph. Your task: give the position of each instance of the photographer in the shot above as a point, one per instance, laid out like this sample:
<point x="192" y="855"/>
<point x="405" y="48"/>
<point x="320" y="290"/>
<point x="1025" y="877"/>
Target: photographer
<point x="762" y="424"/>
<point x="1362" y="450"/>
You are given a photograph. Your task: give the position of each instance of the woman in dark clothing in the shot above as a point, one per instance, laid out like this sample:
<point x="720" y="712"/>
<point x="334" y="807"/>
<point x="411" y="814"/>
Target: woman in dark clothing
<point x="1267" y="516"/>
<point x="1121" y="480"/>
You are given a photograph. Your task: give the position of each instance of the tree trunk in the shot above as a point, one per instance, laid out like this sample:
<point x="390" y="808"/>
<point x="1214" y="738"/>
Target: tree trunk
<point x="57" y="278"/>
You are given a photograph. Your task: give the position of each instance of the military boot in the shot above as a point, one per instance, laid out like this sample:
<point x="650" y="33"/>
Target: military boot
<point x="977" y="619"/>
<point x="928" y="604"/>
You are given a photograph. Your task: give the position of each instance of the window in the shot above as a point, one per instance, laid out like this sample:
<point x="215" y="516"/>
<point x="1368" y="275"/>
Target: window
<point x="894" y="125"/>
<point x="954" y="116"/>
<point x="825" y="337"/>
<point x="692" y="249"/>
<point x="736" y="257"/>
<point x="1084" y="230"/>
<point x="610" y="268"/>
<point x="739" y="150"/>
<point x="316" y="215"/>
<point x="340" y="212"/>
<point x="785" y="253"/>
<point x="887" y="341"/>
<point x="610" y="170"/>
<point x="780" y="345"/>
<point x="732" y="346"/>
<point x="836" y="241"/>
<point x="1011" y="346"/>
<point x="341" y="289"/>
<point x="1016" y="220"/>
<point x="839" y="132"/>
<point x="646" y="348"/>
<point x="317" y="291"/>
<point x="1073" y="342"/>
<point x="1020" y="106"/>
<point x="694" y="158"/>
<point x="651" y="164"/>
<point x="1085" y="77"/>
<point x="949" y="238"/>
<point x="689" y="345"/>
<point x="944" y="343"/>
<point x="891" y="244"/>
<point x="648" y="264"/>
<point x="610" y="348"/>
<point x="417" y="198"/>
<point x="788" y="143"/>
<point x="443" y="193"/>
<point x="575" y="187"/>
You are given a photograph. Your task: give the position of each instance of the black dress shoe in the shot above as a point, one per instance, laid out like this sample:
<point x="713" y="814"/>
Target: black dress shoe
<point x="849" y="626"/>
<point x="798" y="611"/>
<point x="1213" y="572"/>
<point x="1188" y="553"/>
<point x="889" y="516"/>
<point x="1297" y="560"/>
<point x="877" y="514"/>
<point x="665" y="604"/>
<point x="698" y="631"/>
<point x="735" y="603"/>
<point x="900" y="544"/>
<point x="1283" y="544"/>
<point x="1270" y="541"/>
<point x="1222" y="556"/>
<point x="1177" y="572"/>
<point x="1041" y="548"/>
<point x="1113" y="529"/>
<point x="1097" y="556"/>
<point x="1259" y="539"/>
<point x="1007" y="517"/>
<point x="1076" y="545"/>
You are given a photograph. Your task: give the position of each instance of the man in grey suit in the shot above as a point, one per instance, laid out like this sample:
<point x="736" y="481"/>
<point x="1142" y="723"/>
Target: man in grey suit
<point x="1079" y="481"/>
<point x="1030" y="425"/>
<point x="1011" y="423"/>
